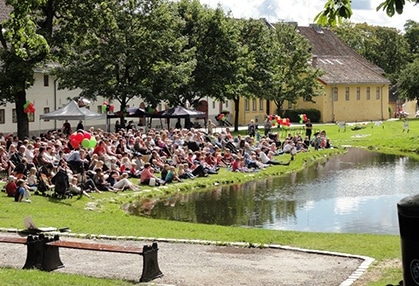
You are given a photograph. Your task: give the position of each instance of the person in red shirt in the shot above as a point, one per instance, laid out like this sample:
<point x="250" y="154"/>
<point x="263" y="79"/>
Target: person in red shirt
<point x="11" y="186"/>
<point x="147" y="174"/>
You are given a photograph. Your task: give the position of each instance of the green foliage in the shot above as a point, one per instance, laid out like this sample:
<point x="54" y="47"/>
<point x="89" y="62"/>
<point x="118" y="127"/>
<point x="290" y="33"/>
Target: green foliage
<point x="385" y="47"/>
<point x="22" y="49"/>
<point x="336" y="10"/>
<point x="333" y="12"/>
<point x="122" y="50"/>
<point x="294" y="114"/>
<point x="412" y="36"/>
<point x="408" y="81"/>
<point x="290" y="74"/>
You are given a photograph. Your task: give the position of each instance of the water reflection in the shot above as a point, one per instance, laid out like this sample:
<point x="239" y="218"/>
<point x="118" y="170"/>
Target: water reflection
<point x="354" y="193"/>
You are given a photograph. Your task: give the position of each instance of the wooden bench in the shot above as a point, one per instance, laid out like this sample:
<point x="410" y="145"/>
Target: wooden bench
<point x="43" y="253"/>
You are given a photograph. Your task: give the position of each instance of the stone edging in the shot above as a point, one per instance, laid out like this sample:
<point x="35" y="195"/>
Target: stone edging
<point x="367" y="261"/>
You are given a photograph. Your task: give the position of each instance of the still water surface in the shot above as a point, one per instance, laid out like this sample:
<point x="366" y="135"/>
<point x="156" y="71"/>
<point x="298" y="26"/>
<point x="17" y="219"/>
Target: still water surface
<point x="356" y="192"/>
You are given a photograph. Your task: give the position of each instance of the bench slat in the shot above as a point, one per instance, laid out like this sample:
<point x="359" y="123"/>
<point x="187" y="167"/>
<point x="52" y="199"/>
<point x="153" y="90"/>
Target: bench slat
<point x="96" y="246"/>
<point x="6" y="239"/>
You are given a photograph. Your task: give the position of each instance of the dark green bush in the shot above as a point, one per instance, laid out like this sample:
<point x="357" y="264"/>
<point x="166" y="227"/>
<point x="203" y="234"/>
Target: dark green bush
<point x="294" y="114"/>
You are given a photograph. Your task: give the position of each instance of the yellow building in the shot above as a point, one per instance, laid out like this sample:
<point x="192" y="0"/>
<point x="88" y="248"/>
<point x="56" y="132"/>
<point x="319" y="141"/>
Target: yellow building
<point x="354" y="88"/>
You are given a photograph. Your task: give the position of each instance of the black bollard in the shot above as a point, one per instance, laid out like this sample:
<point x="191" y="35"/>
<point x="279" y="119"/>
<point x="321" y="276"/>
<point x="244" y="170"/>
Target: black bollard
<point x="408" y="213"/>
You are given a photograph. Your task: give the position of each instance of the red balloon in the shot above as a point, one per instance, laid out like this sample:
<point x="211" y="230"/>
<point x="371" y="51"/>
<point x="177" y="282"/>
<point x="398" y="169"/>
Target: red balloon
<point x="87" y="135"/>
<point x="75" y="144"/>
<point x="73" y="136"/>
<point x="79" y="137"/>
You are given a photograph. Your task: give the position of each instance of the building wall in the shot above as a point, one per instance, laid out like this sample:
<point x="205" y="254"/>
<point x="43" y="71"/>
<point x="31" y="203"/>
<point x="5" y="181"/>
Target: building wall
<point x="348" y="102"/>
<point x="252" y="109"/>
<point x="47" y="97"/>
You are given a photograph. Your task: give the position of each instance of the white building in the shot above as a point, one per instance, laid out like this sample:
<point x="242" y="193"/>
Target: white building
<point x="47" y="97"/>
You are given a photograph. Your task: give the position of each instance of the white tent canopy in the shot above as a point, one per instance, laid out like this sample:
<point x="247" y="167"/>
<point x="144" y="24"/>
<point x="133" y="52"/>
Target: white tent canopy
<point x="72" y="111"/>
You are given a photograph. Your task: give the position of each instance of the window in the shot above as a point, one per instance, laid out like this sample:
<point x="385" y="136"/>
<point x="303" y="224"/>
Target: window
<point x="46" y="110"/>
<point x="246" y="105"/>
<point x="46" y="80"/>
<point x="227" y="104"/>
<point x="335" y="94"/>
<point x="358" y="93"/>
<point x="289" y="105"/>
<point x="213" y="105"/>
<point x="2" y="116"/>
<point x="368" y="93"/>
<point x="14" y="117"/>
<point x="261" y="104"/>
<point x="347" y="93"/>
<point x="99" y="109"/>
<point x="254" y="104"/>
<point x="377" y="93"/>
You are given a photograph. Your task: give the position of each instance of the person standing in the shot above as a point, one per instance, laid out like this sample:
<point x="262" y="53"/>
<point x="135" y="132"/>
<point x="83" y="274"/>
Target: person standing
<point x="80" y="126"/>
<point x="267" y="126"/>
<point x="251" y="128"/>
<point x="309" y="128"/>
<point x="66" y="128"/>
<point x="210" y="127"/>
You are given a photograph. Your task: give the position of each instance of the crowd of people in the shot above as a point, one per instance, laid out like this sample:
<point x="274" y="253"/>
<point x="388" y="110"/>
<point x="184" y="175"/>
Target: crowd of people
<point x="153" y="157"/>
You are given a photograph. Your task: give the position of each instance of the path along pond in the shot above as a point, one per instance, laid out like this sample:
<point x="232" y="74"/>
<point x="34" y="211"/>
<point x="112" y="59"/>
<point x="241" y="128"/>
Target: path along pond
<point x="356" y="192"/>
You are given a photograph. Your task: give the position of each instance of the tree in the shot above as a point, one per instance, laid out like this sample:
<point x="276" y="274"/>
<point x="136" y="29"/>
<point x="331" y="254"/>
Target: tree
<point x="123" y="49"/>
<point x="412" y="36"/>
<point x="22" y="49"/>
<point x="213" y="36"/>
<point x="259" y="37"/>
<point x="292" y="75"/>
<point x="408" y="82"/>
<point x="383" y="46"/>
<point x="336" y="10"/>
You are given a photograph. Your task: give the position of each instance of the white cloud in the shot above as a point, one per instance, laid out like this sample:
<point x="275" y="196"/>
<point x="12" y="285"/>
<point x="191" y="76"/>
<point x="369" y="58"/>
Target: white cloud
<point x="304" y="11"/>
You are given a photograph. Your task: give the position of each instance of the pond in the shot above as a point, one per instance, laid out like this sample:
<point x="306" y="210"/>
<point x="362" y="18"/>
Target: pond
<point x="356" y="192"/>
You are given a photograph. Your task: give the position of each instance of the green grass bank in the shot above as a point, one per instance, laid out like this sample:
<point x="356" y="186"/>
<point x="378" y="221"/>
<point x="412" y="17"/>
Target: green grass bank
<point x="103" y="215"/>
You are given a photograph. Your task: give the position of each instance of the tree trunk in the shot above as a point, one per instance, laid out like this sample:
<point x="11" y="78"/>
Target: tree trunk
<point x="236" y="114"/>
<point x="21" y="116"/>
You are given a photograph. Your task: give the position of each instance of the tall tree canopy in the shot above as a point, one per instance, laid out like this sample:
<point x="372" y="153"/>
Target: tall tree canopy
<point x="292" y="74"/>
<point x="123" y="49"/>
<point x="412" y="36"/>
<point x="383" y="46"/>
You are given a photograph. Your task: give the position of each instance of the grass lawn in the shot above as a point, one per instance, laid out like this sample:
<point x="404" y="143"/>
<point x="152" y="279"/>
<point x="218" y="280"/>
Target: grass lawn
<point x="103" y="215"/>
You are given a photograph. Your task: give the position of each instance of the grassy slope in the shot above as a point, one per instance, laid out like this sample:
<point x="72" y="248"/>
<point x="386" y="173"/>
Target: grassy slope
<point x="107" y="218"/>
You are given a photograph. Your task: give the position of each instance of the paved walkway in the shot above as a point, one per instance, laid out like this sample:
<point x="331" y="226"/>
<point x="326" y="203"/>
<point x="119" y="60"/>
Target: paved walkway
<point x="200" y="263"/>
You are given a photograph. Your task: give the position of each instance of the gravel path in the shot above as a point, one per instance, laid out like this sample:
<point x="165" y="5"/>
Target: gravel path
<point x="194" y="264"/>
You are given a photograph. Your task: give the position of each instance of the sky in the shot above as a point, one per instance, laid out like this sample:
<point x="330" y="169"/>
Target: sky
<point x="304" y="11"/>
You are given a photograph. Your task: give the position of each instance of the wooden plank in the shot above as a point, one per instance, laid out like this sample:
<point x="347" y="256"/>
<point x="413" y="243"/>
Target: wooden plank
<point x="96" y="247"/>
<point x="13" y="239"/>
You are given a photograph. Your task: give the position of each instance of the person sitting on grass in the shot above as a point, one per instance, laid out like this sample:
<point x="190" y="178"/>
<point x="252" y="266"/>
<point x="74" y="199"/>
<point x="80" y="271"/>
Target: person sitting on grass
<point x="147" y="174"/>
<point x="75" y="189"/>
<point x="100" y="181"/>
<point x="239" y="165"/>
<point x="265" y="159"/>
<point x="32" y="179"/>
<point x="22" y="192"/>
<point x="184" y="173"/>
<point x="164" y="171"/>
<point x="11" y="186"/>
<point x="123" y="183"/>
<point x="172" y="175"/>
